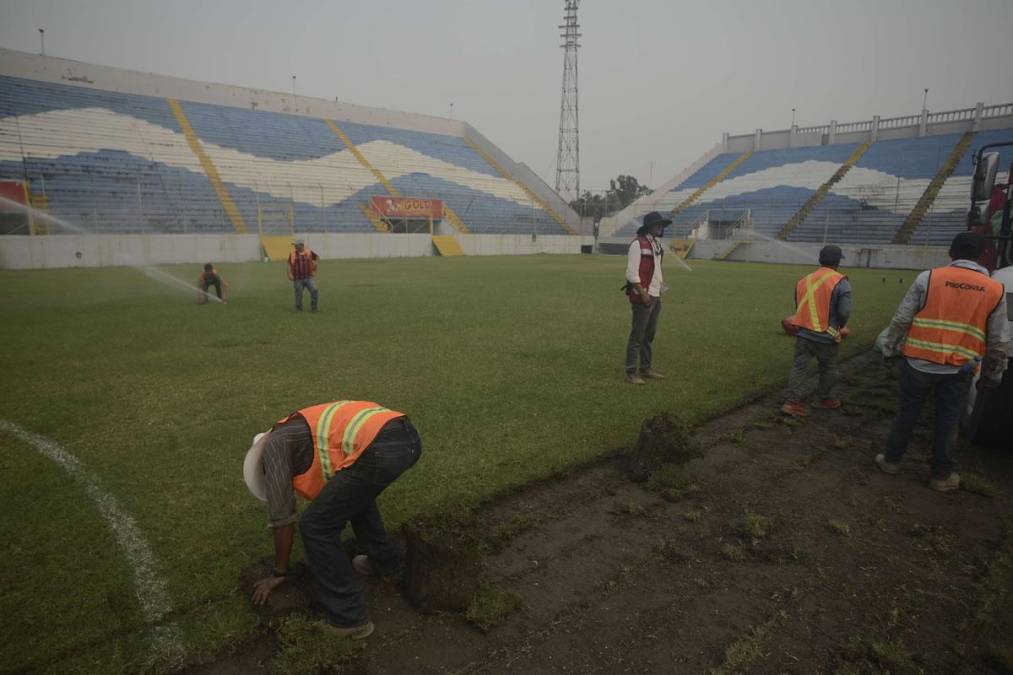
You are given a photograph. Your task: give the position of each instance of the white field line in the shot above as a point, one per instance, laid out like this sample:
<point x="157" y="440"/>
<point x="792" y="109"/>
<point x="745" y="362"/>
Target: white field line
<point x="149" y="586"/>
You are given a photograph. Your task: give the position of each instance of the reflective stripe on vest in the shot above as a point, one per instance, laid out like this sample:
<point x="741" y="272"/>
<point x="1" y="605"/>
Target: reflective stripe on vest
<point x="341" y="431"/>
<point x="812" y="298"/>
<point x="951" y="328"/>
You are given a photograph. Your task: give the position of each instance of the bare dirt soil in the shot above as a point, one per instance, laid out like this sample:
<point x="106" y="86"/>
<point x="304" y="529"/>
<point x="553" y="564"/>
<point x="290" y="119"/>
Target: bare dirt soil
<point x="782" y="549"/>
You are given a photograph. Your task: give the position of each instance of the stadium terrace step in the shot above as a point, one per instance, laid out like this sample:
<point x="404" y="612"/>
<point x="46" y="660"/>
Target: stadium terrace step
<point x="374" y="218"/>
<point x="682" y="247"/>
<point x="209" y="168"/>
<point x="506" y="174"/>
<point x="822" y="191"/>
<point x="725" y="254"/>
<point x="914" y="218"/>
<point x="713" y="181"/>
<point x="362" y="158"/>
<point x="447" y="245"/>
<point x="276" y="248"/>
<point x="454" y="220"/>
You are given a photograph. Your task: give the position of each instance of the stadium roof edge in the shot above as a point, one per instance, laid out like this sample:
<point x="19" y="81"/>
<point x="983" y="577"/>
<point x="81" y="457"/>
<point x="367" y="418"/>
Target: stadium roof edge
<point x="25" y="65"/>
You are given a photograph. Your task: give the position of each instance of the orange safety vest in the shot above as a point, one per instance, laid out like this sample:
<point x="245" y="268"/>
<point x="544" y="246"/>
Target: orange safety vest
<point x="950" y="327"/>
<point x="812" y="301"/>
<point x="341" y="431"/>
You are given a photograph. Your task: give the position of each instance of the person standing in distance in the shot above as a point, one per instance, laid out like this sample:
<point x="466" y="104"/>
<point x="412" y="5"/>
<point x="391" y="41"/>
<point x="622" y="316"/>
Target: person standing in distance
<point x="302" y="267"/>
<point x="951" y="319"/>
<point x="644" y="283"/>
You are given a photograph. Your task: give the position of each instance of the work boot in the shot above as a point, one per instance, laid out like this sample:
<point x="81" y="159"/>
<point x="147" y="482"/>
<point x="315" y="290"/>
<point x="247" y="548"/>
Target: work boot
<point x="948" y="484"/>
<point x="353" y="632"/>
<point x="826" y="404"/>
<point x="634" y="378"/>
<point x="361" y="564"/>
<point x="891" y="468"/>
<point x="795" y="409"/>
<point x="651" y="374"/>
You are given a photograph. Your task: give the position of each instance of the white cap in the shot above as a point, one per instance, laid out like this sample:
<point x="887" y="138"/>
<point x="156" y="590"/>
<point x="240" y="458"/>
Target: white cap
<point x="253" y="473"/>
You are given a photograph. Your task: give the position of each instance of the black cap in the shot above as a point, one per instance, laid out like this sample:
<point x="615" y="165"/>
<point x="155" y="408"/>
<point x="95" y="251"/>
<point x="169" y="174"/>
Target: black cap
<point x="831" y="255"/>
<point x="967" y="246"/>
<point x="651" y="219"/>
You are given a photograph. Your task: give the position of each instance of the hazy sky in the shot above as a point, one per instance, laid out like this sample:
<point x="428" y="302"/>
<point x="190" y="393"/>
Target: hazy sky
<point x="659" y="79"/>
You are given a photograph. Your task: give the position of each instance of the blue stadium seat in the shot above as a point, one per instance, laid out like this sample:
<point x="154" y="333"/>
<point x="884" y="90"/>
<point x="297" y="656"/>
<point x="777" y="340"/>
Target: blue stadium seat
<point x="114" y="162"/>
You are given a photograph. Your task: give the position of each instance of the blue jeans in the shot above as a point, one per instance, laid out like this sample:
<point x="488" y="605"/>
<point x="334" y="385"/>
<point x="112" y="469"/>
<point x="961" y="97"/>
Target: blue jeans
<point x="298" y="285"/>
<point x="350" y="497"/>
<point x="950" y="392"/>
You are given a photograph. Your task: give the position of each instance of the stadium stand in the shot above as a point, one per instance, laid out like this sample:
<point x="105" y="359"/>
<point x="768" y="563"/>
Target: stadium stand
<point x="906" y="190"/>
<point x="109" y="161"/>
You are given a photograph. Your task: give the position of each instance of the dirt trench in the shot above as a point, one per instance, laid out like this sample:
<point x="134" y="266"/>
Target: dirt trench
<point x="781" y="548"/>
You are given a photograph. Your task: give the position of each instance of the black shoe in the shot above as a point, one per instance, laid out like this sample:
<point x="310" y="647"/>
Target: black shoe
<point x="298" y="308"/>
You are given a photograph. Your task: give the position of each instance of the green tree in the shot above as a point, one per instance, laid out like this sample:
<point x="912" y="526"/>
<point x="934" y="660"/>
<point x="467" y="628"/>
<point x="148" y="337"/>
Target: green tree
<point x="623" y="191"/>
<point x="626" y="190"/>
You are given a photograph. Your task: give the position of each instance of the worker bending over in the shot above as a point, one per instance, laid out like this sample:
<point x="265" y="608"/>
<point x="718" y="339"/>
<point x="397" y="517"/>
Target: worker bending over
<point x="340" y="456"/>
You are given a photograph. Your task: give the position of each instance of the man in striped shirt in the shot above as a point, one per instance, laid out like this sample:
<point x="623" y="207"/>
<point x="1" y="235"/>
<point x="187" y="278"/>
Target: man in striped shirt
<point x="348" y="497"/>
<point x="302" y="267"/>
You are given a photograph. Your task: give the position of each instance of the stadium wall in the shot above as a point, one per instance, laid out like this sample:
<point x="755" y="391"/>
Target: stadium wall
<point x="978" y="118"/>
<point x="105" y="250"/>
<point x="801" y="253"/>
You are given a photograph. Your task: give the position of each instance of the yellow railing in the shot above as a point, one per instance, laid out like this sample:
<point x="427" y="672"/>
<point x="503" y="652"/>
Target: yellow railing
<point x="531" y="195"/>
<point x="815" y="198"/>
<point x="209" y="168"/>
<point x="713" y="181"/>
<point x="914" y="218"/>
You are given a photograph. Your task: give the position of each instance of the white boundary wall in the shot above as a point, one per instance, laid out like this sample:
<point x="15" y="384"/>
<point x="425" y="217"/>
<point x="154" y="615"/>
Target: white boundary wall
<point x="105" y="250"/>
<point x="886" y="256"/>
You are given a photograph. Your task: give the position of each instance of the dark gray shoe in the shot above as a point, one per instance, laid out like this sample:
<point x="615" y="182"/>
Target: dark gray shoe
<point x="948" y="484"/>
<point x="885" y="466"/>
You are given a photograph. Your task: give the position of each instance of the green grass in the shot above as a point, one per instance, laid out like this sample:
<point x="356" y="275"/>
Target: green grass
<point x="510" y="367"/>
<point x="491" y="605"/>
<point x="306" y="647"/>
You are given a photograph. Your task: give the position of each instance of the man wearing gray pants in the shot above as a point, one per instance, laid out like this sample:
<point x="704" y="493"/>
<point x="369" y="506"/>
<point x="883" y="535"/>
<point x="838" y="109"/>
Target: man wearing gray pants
<point x="644" y="284"/>
<point x="823" y="307"/>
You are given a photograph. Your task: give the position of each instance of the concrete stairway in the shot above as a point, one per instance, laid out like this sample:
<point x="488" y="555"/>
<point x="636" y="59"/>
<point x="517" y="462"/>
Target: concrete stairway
<point x="914" y="218"/>
<point x="713" y="181"/>
<point x="447" y="245"/>
<point x="377" y="221"/>
<point x="822" y="191"/>
<point x="531" y="195"/>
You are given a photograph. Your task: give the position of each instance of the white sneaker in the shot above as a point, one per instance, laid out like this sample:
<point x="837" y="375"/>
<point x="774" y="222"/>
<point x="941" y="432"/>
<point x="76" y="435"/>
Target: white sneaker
<point x="361" y="564"/>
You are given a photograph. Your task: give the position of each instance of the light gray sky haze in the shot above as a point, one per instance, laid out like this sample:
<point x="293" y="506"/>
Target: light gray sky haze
<point x="659" y="79"/>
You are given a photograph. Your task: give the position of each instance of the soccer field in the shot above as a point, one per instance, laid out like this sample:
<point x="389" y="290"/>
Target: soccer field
<point x="510" y="367"/>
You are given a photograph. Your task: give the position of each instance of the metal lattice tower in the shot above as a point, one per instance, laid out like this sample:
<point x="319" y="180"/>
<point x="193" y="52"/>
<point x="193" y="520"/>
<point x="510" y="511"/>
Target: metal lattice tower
<point x="568" y="154"/>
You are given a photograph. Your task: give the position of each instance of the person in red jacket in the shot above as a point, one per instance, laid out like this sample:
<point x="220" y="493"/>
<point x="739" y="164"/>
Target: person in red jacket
<point x="340" y="456"/>
<point x="302" y="267"/>
<point x="644" y="284"/>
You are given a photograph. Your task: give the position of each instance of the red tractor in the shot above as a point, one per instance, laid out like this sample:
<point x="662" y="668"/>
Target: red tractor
<point x="987" y="417"/>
